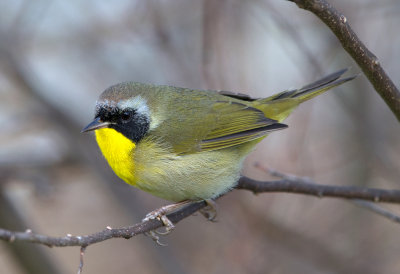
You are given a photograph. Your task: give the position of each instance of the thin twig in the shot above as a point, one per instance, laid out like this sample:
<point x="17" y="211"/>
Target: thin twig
<point x="367" y="61"/>
<point x="108" y="233"/>
<point x="81" y="253"/>
<point x="318" y="190"/>
<point x="365" y="204"/>
<point x="288" y="185"/>
<point x="378" y="210"/>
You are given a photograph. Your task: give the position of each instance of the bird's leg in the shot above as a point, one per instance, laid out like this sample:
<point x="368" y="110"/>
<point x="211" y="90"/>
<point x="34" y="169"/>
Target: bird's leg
<point x="161" y="214"/>
<point x="210" y="211"/>
<point x="153" y="235"/>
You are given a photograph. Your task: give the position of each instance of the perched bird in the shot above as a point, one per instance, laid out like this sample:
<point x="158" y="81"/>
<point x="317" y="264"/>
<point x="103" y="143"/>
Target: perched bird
<point x="188" y="145"/>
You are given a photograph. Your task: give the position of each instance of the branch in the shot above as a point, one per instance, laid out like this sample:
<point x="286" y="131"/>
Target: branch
<point x="318" y="190"/>
<point x="289" y="184"/>
<point x="108" y="233"/>
<point x="81" y="254"/>
<point x="304" y="185"/>
<point x="367" y="61"/>
<point x="378" y="210"/>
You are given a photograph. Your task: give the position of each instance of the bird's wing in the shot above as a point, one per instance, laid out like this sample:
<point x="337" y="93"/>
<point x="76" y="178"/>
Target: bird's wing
<point x="228" y="124"/>
<point x="240" y="96"/>
<point x="236" y="123"/>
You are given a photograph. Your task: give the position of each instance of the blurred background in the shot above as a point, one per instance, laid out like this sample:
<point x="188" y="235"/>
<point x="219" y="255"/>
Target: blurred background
<point x="56" y="57"/>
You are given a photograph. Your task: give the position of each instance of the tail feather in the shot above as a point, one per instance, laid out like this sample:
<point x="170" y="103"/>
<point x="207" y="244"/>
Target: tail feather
<point x="319" y="86"/>
<point x="323" y="81"/>
<point x="314" y="91"/>
<point x="280" y="105"/>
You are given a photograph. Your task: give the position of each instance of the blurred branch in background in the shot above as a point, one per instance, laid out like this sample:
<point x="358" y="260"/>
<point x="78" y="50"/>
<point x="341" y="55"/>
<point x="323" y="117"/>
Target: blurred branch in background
<point x="367" y="61"/>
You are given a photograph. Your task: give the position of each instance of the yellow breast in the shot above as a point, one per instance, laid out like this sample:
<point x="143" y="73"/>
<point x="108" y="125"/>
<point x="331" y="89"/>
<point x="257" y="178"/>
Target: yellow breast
<point x="118" y="151"/>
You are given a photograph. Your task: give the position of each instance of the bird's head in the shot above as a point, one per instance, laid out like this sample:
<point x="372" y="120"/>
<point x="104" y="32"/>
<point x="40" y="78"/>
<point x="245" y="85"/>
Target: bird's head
<point x="123" y="110"/>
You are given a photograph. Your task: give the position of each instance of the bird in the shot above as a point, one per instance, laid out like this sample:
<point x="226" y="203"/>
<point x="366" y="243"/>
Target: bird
<point x="186" y="145"/>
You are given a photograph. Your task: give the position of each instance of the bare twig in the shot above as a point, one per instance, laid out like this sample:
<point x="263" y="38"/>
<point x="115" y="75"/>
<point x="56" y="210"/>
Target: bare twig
<point x="367" y="61"/>
<point x="308" y="188"/>
<point x="305" y="180"/>
<point x="284" y="185"/>
<point x="81" y="254"/>
<point x="378" y="210"/>
<point x="108" y="233"/>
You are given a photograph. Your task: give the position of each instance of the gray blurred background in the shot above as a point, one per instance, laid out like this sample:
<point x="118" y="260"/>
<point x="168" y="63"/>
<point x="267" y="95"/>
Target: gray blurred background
<point x="57" y="56"/>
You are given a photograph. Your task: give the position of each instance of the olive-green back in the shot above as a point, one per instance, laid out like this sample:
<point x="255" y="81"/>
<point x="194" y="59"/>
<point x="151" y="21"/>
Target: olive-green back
<point x="195" y="120"/>
<point x="191" y="121"/>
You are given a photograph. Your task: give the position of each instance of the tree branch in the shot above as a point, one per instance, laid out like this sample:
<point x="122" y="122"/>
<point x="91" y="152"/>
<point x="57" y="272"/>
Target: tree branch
<point x="108" y="233"/>
<point x="290" y="185"/>
<point x="378" y="210"/>
<point x="81" y="254"/>
<point x="318" y="190"/>
<point x="367" y="61"/>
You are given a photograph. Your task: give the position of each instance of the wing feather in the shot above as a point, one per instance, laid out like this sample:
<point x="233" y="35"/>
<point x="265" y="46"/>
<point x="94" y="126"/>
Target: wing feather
<point x="236" y="124"/>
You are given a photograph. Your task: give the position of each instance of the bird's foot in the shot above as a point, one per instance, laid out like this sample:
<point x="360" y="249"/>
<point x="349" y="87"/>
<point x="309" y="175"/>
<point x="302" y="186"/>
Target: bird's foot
<point x="155" y="237"/>
<point x="210" y="211"/>
<point x="161" y="215"/>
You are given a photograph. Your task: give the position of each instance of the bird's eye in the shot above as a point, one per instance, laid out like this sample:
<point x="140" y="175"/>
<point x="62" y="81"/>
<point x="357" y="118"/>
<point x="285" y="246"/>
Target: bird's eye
<point x="126" y="116"/>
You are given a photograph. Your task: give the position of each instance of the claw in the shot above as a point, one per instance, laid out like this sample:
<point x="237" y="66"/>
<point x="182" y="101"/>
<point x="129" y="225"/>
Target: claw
<point x="169" y="226"/>
<point x="161" y="215"/>
<point x="210" y="212"/>
<point x="154" y="237"/>
<point x="162" y="233"/>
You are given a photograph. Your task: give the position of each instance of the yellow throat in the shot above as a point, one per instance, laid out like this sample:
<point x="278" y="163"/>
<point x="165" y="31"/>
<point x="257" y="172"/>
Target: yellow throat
<point x="118" y="151"/>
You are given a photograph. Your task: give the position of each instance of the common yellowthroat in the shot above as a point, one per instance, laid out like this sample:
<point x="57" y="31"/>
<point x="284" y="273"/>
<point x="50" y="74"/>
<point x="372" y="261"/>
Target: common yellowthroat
<point x="188" y="145"/>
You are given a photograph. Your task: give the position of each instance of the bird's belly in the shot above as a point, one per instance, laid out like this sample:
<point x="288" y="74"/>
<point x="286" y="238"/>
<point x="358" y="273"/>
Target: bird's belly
<point x="199" y="176"/>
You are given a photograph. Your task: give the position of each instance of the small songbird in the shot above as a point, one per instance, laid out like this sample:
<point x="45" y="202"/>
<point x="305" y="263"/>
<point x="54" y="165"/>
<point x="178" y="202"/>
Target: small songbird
<point x="187" y="145"/>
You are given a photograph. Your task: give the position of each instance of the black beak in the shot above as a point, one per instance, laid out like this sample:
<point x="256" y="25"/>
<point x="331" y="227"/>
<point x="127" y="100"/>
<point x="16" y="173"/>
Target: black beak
<point x="95" y="124"/>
